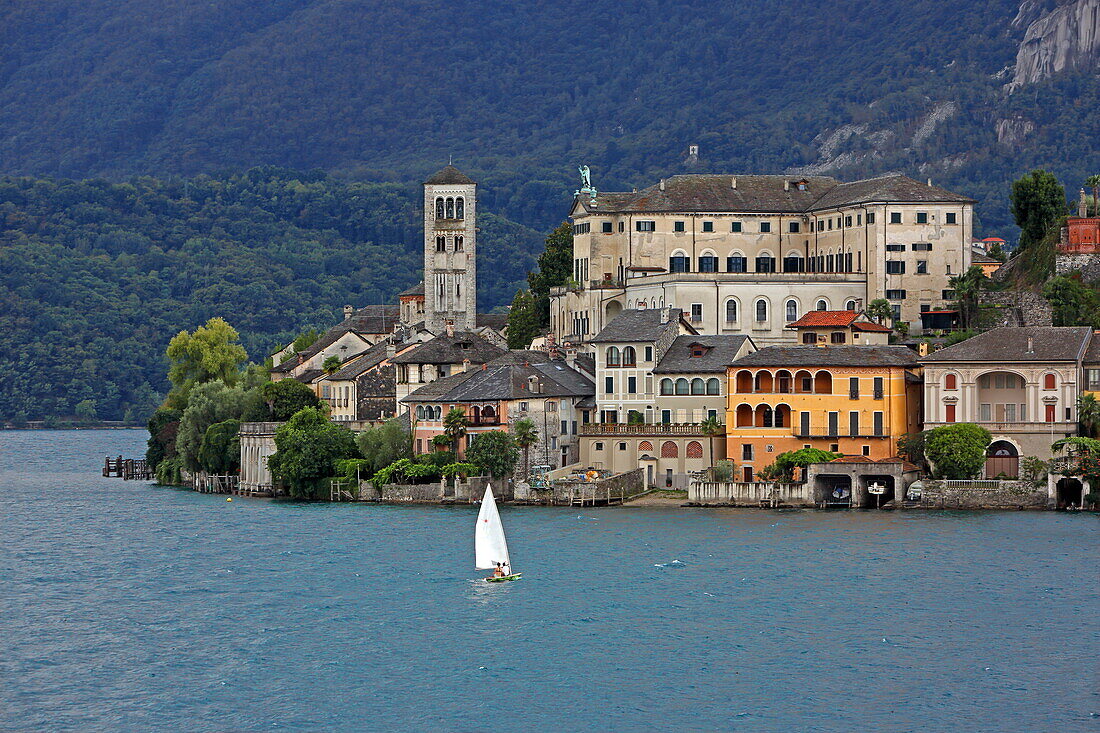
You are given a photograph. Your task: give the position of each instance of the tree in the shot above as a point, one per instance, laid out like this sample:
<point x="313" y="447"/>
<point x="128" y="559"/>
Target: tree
<point x="1093" y="182"/>
<point x="526" y="436"/>
<point x="957" y="337"/>
<point x="209" y="403"/>
<point x="1088" y="414"/>
<point x="997" y="252"/>
<point x="220" y="451"/>
<point x="494" y="452"/>
<point x="555" y="268"/>
<point x="879" y="310"/>
<point x="1073" y="303"/>
<point x="523" y="320"/>
<point x="712" y="428"/>
<point x="163" y="426"/>
<point x="785" y="463"/>
<point x="454" y="426"/>
<point x="968" y="289"/>
<point x="331" y="364"/>
<point x="280" y="400"/>
<point x="210" y="353"/>
<point x="304" y="340"/>
<point x="911" y="448"/>
<point x="1038" y="201"/>
<point x="957" y="451"/>
<point x="385" y="444"/>
<point x="85" y="410"/>
<point x="306" y="450"/>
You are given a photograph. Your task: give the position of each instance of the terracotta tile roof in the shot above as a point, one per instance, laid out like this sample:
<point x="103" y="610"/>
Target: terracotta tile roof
<point x="821" y="319"/>
<point x="870" y="326"/>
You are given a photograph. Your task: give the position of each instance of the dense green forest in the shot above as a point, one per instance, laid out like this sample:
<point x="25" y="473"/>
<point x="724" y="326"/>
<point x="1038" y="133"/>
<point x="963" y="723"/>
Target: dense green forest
<point x="96" y="277"/>
<point x="521" y="93"/>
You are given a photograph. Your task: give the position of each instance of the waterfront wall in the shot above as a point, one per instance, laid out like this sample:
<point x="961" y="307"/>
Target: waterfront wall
<point x="941" y="494"/>
<point x="749" y="493"/>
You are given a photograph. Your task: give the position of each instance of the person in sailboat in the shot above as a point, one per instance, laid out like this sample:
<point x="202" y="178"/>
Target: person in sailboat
<point x="498" y="571"/>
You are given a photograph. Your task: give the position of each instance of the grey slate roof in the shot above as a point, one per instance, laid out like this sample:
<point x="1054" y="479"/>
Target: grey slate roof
<point x="309" y="375"/>
<point x="454" y="349"/>
<point x="448" y="174"/>
<point x="374" y="320"/>
<point x="830" y="356"/>
<point x="1048" y="343"/>
<point x="360" y="363"/>
<point x="721" y="352"/>
<point x="638" y="325"/>
<point x="506" y="379"/>
<point x="886" y="188"/>
<point x="495" y="321"/>
<point x="764" y="194"/>
<point x="417" y="289"/>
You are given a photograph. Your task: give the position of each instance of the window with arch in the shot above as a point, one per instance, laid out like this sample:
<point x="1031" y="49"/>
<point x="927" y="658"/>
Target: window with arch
<point x="613" y="358"/>
<point x="630" y="357"/>
<point x="698" y="386"/>
<point x="761" y="311"/>
<point x="951" y="381"/>
<point x="714" y="385"/>
<point x="450" y="208"/>
<point x="419" y="412"/>
<point x="666" y="386"/>
<point x="440" y="244"/>
<point x="694" y="449"/>
<point x="822" y="305"/>
<point x="737" y="262"/>
<point x="1050" y="381"/>
<point x="850" y="305"/>
<point x="679" y="262"/>
<point x="731" y="311"/>
<point x="708" y="262"/>
<point x="668" y="449"/>
<point x="682" y="386"/>
<point x="792" y="311"/>
<point x="440" y="212"/>
<point x="645" y="445"/>
<point x="458" y="244"/>
<point x="460" y="208"/>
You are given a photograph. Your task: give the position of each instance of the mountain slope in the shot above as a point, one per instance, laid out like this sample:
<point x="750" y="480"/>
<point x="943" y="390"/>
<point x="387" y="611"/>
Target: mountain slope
<point x="520" y="93"/>
<point x="96" y="277"/>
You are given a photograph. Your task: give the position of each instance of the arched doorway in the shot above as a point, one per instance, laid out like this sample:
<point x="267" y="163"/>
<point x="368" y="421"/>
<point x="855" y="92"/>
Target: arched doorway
<point x="1002" y="459"/>
<point x="612" y="309"/>
<point x="1069" y="492"/>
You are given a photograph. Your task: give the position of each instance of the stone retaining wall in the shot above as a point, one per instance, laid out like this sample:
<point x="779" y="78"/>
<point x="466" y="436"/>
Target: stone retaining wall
<point x="983" y="495"/>
<point x="1087" y="264"/>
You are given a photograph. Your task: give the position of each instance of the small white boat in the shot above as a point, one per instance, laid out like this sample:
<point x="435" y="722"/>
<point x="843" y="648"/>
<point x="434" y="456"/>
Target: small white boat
<point x="490" y="546"/>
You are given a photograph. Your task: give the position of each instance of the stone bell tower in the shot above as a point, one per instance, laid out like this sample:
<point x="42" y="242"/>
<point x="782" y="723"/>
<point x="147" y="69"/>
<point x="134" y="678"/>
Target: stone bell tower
<point x="450" y="249"/>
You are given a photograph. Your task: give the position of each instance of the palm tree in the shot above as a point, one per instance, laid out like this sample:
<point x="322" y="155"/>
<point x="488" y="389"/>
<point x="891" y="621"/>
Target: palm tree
<point x="1088" y="414"/>
<point x="454" y="426"/>
<point x="1093" y="182"/>
<point x="526" y="436"/>
<point x="331" y="364"/>
<point x="968" y="288"/>
<point x="712" y="428"/>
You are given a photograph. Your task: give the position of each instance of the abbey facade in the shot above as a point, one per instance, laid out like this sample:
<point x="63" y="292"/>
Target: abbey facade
<point x="750" y="255"/>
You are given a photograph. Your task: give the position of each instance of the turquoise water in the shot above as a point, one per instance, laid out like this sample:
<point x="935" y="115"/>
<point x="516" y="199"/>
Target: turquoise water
<point x="128" y="607"/>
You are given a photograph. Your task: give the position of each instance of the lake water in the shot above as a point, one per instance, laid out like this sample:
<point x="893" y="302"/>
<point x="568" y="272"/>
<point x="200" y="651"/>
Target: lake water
<point x="130" y="607"/>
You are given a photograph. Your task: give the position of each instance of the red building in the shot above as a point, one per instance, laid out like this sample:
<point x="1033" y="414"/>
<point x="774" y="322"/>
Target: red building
<point x="1082" y="235"/>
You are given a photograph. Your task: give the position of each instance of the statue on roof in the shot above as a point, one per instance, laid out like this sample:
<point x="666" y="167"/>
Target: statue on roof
<point x="586" y="183"/>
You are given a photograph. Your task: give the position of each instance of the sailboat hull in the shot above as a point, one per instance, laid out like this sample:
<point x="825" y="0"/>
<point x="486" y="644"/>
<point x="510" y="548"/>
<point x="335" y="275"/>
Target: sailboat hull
<point x="504" y="578"/>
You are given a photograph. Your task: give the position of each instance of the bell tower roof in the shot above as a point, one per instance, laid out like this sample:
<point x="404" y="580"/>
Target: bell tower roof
<point x="447" y="175"/>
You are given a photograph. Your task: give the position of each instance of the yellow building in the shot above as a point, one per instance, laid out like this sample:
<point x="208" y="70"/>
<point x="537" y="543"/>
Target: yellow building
<point x="855" y="400"/>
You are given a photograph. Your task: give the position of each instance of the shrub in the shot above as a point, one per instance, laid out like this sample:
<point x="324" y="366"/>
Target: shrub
<point x="494" y="452"/>
<point x="957" y="451"/>
<point x="307" y="447"/>
<point x="463" y="470"/>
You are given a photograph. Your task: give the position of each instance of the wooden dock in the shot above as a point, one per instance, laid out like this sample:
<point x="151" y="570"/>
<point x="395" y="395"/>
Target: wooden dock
<point x="127" y="469"/>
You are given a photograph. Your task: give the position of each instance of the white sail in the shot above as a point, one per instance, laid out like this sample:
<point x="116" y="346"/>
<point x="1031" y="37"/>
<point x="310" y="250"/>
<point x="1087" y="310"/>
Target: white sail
<point x="490" y="547"/>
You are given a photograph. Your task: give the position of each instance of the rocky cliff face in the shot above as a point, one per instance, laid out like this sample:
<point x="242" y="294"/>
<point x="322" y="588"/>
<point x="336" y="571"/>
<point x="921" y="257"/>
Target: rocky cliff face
<point x="1065" y="37"/>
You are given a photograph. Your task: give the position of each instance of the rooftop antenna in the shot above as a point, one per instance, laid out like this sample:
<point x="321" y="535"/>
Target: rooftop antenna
<point x="450" y="160"/>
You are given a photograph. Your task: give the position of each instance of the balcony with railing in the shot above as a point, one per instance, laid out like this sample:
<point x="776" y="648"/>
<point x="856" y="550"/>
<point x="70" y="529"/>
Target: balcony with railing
<point x="610" y="429"/>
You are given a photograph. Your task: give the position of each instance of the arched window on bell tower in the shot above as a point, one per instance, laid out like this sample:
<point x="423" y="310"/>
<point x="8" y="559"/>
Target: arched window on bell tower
<point x="450" y="208"/>
<point x="440" y="244"/>
<point x="439" y="208"/>
<point x="460" y="208"/>
<point x="458" y="241"/>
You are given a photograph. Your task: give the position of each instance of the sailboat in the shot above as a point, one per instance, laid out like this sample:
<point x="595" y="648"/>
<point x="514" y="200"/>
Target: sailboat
<point x="490" y="547"/>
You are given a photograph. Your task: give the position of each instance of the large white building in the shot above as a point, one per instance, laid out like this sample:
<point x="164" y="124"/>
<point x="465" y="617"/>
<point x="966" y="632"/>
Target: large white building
<point x="750" y="254"/>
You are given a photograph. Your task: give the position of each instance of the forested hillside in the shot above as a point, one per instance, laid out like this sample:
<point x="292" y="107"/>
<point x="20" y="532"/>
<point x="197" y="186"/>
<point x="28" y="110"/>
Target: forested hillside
<point x="521" y="93"/>
<point x="96" y="277"/>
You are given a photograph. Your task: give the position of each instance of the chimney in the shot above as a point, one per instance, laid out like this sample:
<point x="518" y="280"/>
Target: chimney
<point x="391" y="350"/>
<point x="465" y="365"/>
<point x="1082" y="209"/>
<point x="348" y="310"/>
<point x="662" y="184"/>
<point x="786" y="185"/>
<point x="1030" y="345"/>
<point x="930" y="183"/>
<point x="733" y="183"/>
<point x="450" y="330"/>
<point x="666" y="314"/>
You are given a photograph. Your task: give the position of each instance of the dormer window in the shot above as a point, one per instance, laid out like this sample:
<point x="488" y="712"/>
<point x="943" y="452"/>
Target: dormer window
<point x="698" y="350"/>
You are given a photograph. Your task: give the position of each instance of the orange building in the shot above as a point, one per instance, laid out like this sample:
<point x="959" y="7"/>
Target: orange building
<point x="1082" y="235"/>
<point x="855" y="400"/>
